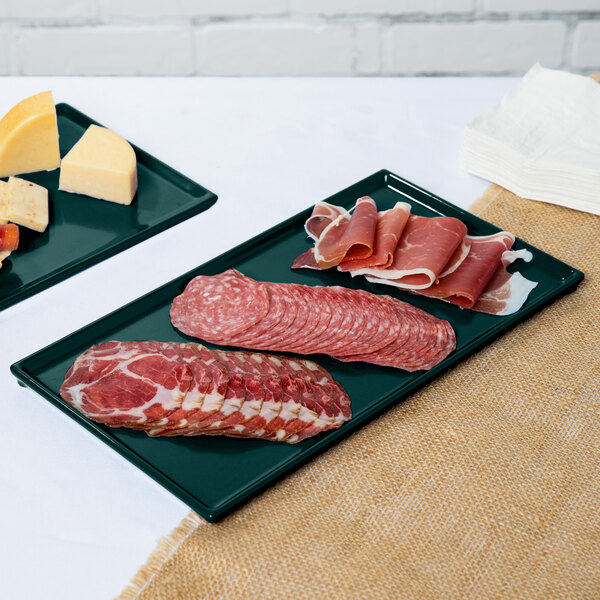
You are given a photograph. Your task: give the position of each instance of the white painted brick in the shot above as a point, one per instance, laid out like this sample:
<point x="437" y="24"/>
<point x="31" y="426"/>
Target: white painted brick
<point x="379" y="7"/>
<point x="368" y="49"/>
<point x="382" y="7"/>
<point x="274" y="49"/>
<point x="194" y="8"/>
<point x="490" y="47"/>
<point x="586" y="45"/>
<point x="525" y="6"/>
<point x="4" y="52"/>
<point x="55" y="10"/>
<point x="105" y="51"/>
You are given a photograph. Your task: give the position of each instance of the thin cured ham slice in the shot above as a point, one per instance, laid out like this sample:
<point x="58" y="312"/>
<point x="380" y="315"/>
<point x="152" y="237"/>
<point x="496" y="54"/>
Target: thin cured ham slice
<point x="388" y="229"/>
<point x="456" y="259"/>
<point x="322" y="216"/>
<point x="427" y="258"/>
<point x="170" y="389"/>
<point x="506" y="292"/>
<point x="306" y="260"/>
<point x="464" y="286"/>
<point x="425" y="248"/>
<point x="390" y="225"/>
<point x="345" y="237"/>
<point x="352" y="324"/>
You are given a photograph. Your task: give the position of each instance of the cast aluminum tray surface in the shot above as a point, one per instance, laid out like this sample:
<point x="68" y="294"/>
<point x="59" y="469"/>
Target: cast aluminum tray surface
<point x="215" y="474"/>
<point x="84" y="231"/>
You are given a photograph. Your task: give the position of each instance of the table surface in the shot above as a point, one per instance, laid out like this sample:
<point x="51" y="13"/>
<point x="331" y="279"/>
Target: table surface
<point x="76" y="519"/>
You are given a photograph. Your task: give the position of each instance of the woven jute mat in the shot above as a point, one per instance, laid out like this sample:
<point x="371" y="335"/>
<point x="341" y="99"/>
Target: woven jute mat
<point x="485" y="484"/>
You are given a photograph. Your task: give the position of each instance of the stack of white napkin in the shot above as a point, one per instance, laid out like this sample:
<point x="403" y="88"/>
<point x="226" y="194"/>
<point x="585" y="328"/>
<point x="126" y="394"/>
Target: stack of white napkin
<point x="542" y="141"/>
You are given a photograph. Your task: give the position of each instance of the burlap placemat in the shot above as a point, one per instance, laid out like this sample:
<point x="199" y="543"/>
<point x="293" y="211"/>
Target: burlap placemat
<point x="485" y="484"/>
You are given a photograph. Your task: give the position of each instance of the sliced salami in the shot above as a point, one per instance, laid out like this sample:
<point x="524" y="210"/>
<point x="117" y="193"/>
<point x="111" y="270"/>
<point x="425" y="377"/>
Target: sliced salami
<point x="220" y="306"/>
<point x="351" y="325"/>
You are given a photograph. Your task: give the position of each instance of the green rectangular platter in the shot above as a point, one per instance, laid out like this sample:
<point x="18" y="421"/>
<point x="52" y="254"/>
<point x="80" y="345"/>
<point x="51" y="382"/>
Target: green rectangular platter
<point x="213" y="475"/>
<point x="84" y="231"/>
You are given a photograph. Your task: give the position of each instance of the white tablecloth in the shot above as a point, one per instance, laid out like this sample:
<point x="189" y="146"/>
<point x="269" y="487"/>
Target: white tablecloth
<point x="76" y="519"/>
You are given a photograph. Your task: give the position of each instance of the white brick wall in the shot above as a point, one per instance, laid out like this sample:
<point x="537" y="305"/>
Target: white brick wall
<point x="259" y="48"/>
<point x="104" y="50"/>
<point x="382" y="7"/>
<point x="586" y="48"/>
<point x="297" y="37"/>
<point x="472" y="47"/>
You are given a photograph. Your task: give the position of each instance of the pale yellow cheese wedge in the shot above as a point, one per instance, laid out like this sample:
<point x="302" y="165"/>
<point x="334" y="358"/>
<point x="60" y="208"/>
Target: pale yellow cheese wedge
<point x="102" y="165"/>
<point x="3" y="220"/>
<point x="29" y="137"/>
<point x="3" y="202"/>
<point x="27" y="204"/>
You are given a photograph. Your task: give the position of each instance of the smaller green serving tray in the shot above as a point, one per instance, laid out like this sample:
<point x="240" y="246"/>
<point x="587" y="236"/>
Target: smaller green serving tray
<point x="213" y="475"/>
<point x="84" y="231"/>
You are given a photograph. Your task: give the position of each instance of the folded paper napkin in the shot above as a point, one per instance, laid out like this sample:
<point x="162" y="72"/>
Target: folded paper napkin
<point x="542" y="141"/>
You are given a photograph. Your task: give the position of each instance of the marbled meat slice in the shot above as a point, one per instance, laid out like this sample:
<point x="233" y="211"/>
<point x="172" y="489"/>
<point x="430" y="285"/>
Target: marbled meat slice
<point x="296" y="416"/>
<point x="196" y="411"/>
<point x="171" y="389"/>
<point x="248" y="409"/>
<point x="234" y="398"/>
<point x="318" y="391"/>
<point x="127" y="383"/>
<point x="196" y="394"/>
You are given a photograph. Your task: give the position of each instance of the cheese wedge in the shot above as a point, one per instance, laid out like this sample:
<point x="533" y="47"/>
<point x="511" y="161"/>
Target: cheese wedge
<point x="29" y="137"/>
<point x="3" y="220"/>
<point x="3" y="202"/>
<point x="102" y="165"/>
<point x="27" y="203"/>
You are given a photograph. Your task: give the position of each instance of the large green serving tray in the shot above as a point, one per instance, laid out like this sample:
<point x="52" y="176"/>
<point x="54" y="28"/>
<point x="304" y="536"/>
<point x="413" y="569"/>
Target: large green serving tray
<point x="215" y="474"/>
<point x="84" y="231"/>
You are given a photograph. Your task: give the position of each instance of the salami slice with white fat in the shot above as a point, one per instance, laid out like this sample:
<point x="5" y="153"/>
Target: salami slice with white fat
<point x="220" y="306"/>
<point x="351" y="325"/>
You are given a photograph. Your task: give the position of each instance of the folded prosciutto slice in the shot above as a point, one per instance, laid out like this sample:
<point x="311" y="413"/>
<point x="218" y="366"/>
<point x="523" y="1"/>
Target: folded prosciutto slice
<point x="424" y="250"/>
<point x="390" y="224"/>
<point x="464" y="285"/>
<point x="348" y="237"/>
<point x="506" y="292"/>
<point x="322" y="216"/>
<point x="431" y="256"/>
